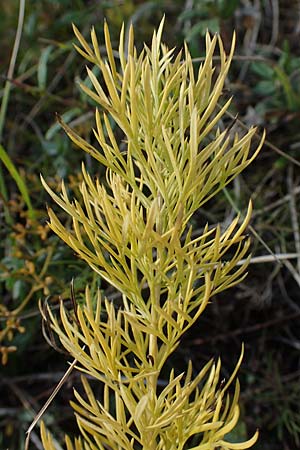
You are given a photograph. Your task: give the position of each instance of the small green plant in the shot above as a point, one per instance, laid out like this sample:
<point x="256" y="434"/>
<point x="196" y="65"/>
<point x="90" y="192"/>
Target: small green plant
<point x="205" y="15"/>
<point x="279" y="399"/>
<point x="278" y="86"/>
<point x="134" y="231"/>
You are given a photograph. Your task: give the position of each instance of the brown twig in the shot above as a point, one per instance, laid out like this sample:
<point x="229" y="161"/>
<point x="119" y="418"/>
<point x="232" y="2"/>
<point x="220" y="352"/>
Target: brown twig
<point x="239" y="331"/>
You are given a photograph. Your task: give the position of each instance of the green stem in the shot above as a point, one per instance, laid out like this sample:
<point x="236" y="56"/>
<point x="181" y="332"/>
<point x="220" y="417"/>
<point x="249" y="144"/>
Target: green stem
<point x="153" y="348"/>
<point x="5" y="159"/>
<point x="5" y="97"/>
<point x="11" y="68"/>
<point x="155" y="290"/>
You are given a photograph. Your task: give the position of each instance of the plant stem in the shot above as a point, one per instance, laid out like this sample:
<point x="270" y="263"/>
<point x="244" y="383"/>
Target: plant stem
<point x="153" y="349"/>
<point x="5" y="97"/>
<point x="11" y="68"/>
<point x="153" y="345"/>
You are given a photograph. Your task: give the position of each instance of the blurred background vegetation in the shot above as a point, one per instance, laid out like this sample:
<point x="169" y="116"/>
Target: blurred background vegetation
<point x="263" y="311"/>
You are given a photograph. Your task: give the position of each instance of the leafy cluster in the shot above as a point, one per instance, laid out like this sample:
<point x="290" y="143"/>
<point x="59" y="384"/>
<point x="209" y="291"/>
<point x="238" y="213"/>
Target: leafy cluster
<point x="134" y="231"/>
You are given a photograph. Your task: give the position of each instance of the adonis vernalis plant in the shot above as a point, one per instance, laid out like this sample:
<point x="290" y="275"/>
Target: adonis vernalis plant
<point x="134" y="230"/>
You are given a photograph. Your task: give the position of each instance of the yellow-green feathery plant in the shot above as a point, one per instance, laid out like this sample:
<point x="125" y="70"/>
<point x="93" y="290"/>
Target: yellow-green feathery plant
<point x="134" y="231"/>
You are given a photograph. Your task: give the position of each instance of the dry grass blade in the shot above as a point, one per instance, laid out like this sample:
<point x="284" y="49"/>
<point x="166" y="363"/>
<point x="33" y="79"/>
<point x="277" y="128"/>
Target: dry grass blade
<point x="267" y="143"/>
<point x="50" y="399"/>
